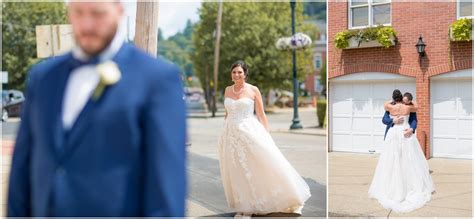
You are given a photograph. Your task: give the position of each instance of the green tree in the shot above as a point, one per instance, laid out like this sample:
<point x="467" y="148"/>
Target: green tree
<point x="178" y="49"/>
<point x="19" y="21"/>
<point x="323" y="74"/>
<point x="249" y="33"/>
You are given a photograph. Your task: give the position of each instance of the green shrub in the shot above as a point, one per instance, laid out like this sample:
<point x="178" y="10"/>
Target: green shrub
<point x="321" y="111"/>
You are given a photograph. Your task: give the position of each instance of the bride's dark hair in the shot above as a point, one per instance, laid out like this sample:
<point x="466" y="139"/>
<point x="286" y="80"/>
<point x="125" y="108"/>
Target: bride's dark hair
<point x="397" y="95"/>
<point x="241" y="64"/>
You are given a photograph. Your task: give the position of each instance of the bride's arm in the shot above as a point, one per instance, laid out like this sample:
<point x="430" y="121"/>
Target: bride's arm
<point x="259" y="108"/>
<point x="386" y="105"/>
<point x="225" y="95"/>
<point x="413" y="107"/>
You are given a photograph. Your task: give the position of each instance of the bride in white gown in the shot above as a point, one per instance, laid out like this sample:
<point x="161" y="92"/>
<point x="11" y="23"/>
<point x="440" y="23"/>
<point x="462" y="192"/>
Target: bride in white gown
<point x="256" y="176"/>
<point x="402" y="181"/>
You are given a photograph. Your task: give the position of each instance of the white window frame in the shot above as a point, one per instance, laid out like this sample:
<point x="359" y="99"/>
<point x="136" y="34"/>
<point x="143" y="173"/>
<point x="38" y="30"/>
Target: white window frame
<point x="369" y="4"/>
<point x="458" y="11"/>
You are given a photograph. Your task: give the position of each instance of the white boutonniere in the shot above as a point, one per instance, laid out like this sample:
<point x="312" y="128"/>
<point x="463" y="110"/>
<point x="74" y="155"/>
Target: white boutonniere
<point x="109" y="74"/>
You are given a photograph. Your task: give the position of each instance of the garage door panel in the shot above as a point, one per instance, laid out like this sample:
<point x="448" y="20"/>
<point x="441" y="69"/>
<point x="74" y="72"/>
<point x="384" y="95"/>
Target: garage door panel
<point x="341" y="92"/>
<point x="377" y="107"/>
<point x="444" y="127"/>
<point x="465" y="127"/>
<point x="361" y="125"/>
<point x="445" y="90"/>
<point x="464" y="108"/>
<point x="453" y="148"/>
<point x="360" y="91"/>
<point x="445" y="108"/>
<point x="451" y="115"/>
<point x="341" y="124"/>
<point x="379" y="127"/>
<point x="341" y="107"/>
<point x="361" y="108"/>
<point x="361" y="143"/>
<point x="465" y="88"/>
<point x="343" y="142"/>
<point x="383" y="91"/>
<point x="464" y="147"/>
<point x="357" y="110"/>
<point x="444" y="146"/>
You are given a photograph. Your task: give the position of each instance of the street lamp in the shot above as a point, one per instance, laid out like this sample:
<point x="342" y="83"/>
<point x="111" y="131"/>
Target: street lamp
<point x="296" y="121"/>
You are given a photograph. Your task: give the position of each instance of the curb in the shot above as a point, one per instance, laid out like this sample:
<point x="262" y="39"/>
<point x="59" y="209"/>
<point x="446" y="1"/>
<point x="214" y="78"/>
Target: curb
<point x="298" y="132"/>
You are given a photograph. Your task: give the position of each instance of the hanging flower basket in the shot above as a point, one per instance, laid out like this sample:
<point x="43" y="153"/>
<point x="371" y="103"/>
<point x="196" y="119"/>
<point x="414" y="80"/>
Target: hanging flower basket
<point x="297" y="41"/>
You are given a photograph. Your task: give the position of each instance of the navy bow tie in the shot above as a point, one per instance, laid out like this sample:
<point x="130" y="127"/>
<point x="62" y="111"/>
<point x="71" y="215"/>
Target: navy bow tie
<point x="76" y="63"/>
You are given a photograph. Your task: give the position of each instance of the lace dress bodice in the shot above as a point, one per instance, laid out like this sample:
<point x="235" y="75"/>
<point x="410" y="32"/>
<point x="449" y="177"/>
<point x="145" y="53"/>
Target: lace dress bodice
<point x="240" y="109"/>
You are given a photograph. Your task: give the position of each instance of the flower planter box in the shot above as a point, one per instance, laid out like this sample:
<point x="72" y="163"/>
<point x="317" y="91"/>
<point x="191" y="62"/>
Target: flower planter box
<point x="353" y="44"/>
<point x="451" y="36"/>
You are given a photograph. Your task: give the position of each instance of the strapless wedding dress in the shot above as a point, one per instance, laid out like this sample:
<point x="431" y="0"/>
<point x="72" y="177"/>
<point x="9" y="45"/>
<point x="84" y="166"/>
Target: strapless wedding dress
<point x="402" y="181"/>
<point x="256" y="176"/>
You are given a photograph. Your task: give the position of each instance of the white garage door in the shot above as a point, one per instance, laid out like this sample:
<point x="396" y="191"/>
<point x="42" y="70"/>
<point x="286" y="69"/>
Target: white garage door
<point x="451" y="114"/>
<point x="356" y="109"/>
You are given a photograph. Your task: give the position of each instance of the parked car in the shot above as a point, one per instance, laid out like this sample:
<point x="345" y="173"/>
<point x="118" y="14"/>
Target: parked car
<point x="12" y="100"/>
<point x="195" y="100"/>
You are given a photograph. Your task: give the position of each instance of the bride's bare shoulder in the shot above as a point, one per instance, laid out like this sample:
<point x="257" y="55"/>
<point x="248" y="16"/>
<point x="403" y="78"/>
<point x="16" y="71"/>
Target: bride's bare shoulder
<point x="253" y="87"/>
<point x="227" y="89"/>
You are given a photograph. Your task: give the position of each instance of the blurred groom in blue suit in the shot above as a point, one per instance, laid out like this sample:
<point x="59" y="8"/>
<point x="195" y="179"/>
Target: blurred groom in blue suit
<point x="102" y="130"/>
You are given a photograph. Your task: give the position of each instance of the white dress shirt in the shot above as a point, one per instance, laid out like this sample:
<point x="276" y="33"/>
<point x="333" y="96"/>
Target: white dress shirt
<point x="82" y="82"/>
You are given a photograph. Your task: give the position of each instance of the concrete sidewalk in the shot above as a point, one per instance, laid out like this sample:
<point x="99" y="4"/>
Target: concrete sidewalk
<point x="281" y="120"/>
<point x="350" y="175"/>
<point x="306" y="153"/>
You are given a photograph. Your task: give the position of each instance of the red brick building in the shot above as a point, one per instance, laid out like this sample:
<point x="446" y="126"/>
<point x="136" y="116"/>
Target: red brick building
<point x="313" y="81"/>
<point x="361" y="79"/>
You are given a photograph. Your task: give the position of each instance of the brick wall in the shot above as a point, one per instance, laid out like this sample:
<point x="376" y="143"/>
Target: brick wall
<point x="409" y="19"/>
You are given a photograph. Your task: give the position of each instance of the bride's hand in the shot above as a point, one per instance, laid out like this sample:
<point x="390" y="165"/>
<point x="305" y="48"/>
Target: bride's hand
<point x="408" y="132"/>
<point x="398" y="120"/>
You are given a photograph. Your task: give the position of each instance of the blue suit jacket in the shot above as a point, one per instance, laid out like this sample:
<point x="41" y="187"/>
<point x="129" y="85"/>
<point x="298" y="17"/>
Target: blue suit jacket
<point x="124" y="155"/>
<point x="389" y="122"/>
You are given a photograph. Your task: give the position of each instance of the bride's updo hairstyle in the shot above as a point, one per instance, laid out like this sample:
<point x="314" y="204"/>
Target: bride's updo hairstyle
<point x="397" y="95"/>
<point x="241" y="64"/>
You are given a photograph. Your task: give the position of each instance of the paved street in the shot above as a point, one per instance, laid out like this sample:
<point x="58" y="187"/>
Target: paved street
<point x="305" y="149"/>
<point x="350" y="175"/>
<point x="306" y="152"/>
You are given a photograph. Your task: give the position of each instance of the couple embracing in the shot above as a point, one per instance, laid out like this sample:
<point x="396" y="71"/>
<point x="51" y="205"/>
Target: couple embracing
<point x="402" y="180"/>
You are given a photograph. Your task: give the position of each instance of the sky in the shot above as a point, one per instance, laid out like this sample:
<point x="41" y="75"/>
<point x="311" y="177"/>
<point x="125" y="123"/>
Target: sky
<point x="172" y="15"/>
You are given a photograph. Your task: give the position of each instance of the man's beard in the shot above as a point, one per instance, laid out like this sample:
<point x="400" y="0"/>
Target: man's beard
<point x="107" y="41"/>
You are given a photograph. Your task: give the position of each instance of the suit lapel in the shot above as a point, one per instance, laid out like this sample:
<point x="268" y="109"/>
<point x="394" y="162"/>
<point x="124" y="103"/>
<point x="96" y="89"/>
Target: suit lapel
<point x="59" y="82"/>
<point x="81" y="126"/>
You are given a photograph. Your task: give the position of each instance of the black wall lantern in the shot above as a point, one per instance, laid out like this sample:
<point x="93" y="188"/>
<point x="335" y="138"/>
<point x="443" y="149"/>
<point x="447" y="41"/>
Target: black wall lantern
<point x="420" y="47"/>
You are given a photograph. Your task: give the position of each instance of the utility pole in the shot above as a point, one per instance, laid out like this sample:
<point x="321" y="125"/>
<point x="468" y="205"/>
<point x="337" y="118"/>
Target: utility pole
<point x="216" y="57"/>
<point x="146" y="28"/>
